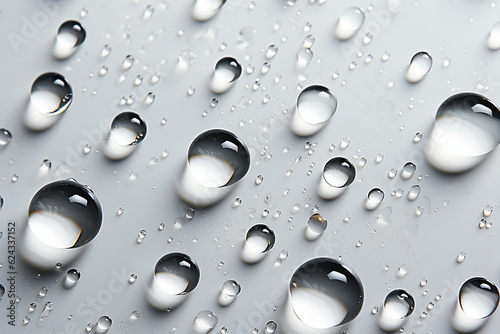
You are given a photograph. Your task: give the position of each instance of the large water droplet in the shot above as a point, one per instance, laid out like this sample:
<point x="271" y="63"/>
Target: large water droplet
<point x="323" y="293"/>
<point x="227" y="71"/>
<point x="466" y="129"/>
<point x="204" y="10"/>
<point x="398" y="305"/>
<point x="374" y="198"/>
<point x="63" y="217"/>
<point x="50" y="96"/>
<point x="205" y="321"/>
<point x="175" y="276"/>
<point x="493" y="41"/>
<point x="349" y="22"/>
<point x="127" y="130"/>
<point x="477" y="300"/>
<point x="315" y="106"/>
<point x="338" y="174"/>
<point x="69" y="37"/>
<point x="217" y="159"/>
<point x="259" y="240"/>
<point x="230" y="289"/>
<point x="103" y="324"/>
<point x="5" y="138"/>
<point x="316" y="225"/>
<point x="420" y="65"/>
<point x="71" y="278"/>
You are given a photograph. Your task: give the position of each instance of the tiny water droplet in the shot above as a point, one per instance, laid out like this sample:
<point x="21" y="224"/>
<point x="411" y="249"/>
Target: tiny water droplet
<point x="26" y="320"/>
<point x="89" y="327"/>
<point x="106" y="50"/>
<point x="133" y="316"/>
<point x="344" y="143"/>
<point x="5" y="138"/>
<point x="237" y="202"/>
<point x="148" y="12"/>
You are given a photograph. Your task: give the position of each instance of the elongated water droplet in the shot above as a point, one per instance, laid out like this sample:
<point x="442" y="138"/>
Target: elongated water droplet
<point x="227" y="71"/>
<point x="205" y="321"/>
<point x="379" y="158"/>
<point x="271" y="51"/>
<point x="259" y="240"/>
<point x="63" y="216"/>
<point x="148" y="12"/>
<point x="50" y="96"/>
<point x="349" y="22"/>
<point x="133" y="316"/>
<point x="417" y="138"/>
<point x="420" y="65"/>
<point x="128" y="62"/>
<point x="308" y="42"/>
<point x="26" y="320"/>
<point x="69" y="37"/>
<point x="204" y="10"/>
<point x="408" y="170"/>
<point x="477" y="300"/>
<point x="493" y="41"/>
<point x="127" y="130"/>
<point x="324" y="293"/>
<point x="398" y="305"/>
<point x="304" y="57"/>
<point x="316" y="225"/>
<point x="175" y="276"/>
<point x="374" y="198"/>
<point x="230" y="289"/>
<point x="106" y="50"/>
<point x="71" y="278"/>
<point x="466" y="130"/>
<point x="132" y="278"/>
<point x="42" y="292"/>
<point x="103" y="324"/>
<point x="141" y="236"/>
<point x="46" y="311"/>
<point x="5" y="138"/>
<point x="414" y="192"/>
<point x="315" y="106"/>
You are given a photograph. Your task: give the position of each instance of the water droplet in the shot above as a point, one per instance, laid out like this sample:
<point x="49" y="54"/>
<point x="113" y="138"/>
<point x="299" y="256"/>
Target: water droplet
<point x="26" y="320"/>
<point x="477" y="300"/>
<point x="133" y="316"/>
<point x="46" y="311"/>
<point x="106" y="50"/>
<point x="304" y="57"/>
<point x="408" y="170"/>
<point x="338" y="173"/>
<point x="367" y="38"/>
<point x="69" y="37"/>
<point x="141" y="236"/>
<point x="102" y="325"/>
<point x="271" y="51"/>
<point x="42" y="292"/>
<point x="259" y="240"/>
<point x="148" y="12"/>
<point x="423" y="282"/>
<point x="132" y="278"/>
<point x="128" y="62"/>
<point x="265" y="68"/>
<point x="71" y="278"/>
<point x="349" y="22"/>
<point x="315" y="106"/>
<point x="270" y="328"/>
<point x="420" y="65"/>
<point x="414" y="192"/>
<point x="175" y="276"/>
<point x="487" y="211"/>
<point x="63" y="216"/>
<point x="230" y="289"/>
<point x="204" y="10"/>
<point x="223" y="330"/>
<point x="89" y="327"/>
<point x="344" y="143"/>
<point x="379" y="158"/>
<point x="138" y="80"/>
<point x="398" y="306"/>
<point x="374" y="198"/>
<point x="161" y="226"/>
<point x="402" y="271"/>
<point x="361" y="162"/>
<point x="127" y="130"/>
<point x="50" y="96"/>
<point x="493" y="41"/>
<point x="324" y="293"/>
<point x="316" y="225"/>
<point x="205" y="321"/>
<point x="461" y="257"/>
<point x="227" y="71"/>
<point x="5" y="138"/>
<point x="417" y="138"/>
<point x="465" y="130"/>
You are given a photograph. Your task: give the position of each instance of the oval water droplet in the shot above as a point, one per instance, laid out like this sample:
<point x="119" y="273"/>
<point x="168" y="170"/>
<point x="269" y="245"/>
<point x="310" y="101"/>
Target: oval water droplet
<point x="230" y="289"/>
<point x="270" y="328"/>
<point x="69" y="37"/>
<point x="349" y="22"/>
<point x="488" y="210"/>
<point x="141" y="236"/>
<point x="420" y="65"/>
<point x="374" y="198"/>
<point x="227" y="71"/>
<point x="175" y="276"/>
<point x="133" y="316"/>
<point x="304" y="56"/>
<point x="2" y="291"/>
<point x="259" y="240"/>
<point x="205" y="321"/>
<point x="271" y="51"/>
<point x="63" y="217"/>
<point x="315" y="106"/>
<point x="408" y="169"/>
<point x="127" y="130"/>
<point x="493" y="41"/>
<point x="338" y="173"/>
<point x="308" y="41"/>
<point x="398" y="306"/>
<point x="5" y="138"/>
<point x="42" y="292"/>
<point x="71" y="278"/>
<point x="102" y="325"/>
<point x="323" y="293"/>
<point x="316" y="225"/>
<point x="204" y="10"/>
<point x="128" y="62"/>
<point x="50" y="96"/>
<point x="465" y="131"/>
<point x="414" y="192"/>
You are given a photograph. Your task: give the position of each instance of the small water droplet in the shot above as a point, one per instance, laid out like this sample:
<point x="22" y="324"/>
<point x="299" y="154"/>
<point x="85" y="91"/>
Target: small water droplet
<point x="102" y="325"/>
<point x="271" y="51"/>
<point x="205" y="321"/>
<point x="373" y="199"/>
<point x="71" y="278"/>
<point x="488" y="210"/>
<point x="398" y="305"/>
<point x="493" y="41"/>
<point x="420" y="65"/>
<point x="227" y="71"/>
<point x="349" y="22"/>
<point x="128" y="62"/>
<point x="402" y="271"/>
<point x="408" y="170"/>
<point x="461" y="257"/>
<point x="132" y="278"/>
<point x="414" y="192"/>
<point x="140" y="237"/>
<point x="133" y="316"/>
<point x="148" y="12"/>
